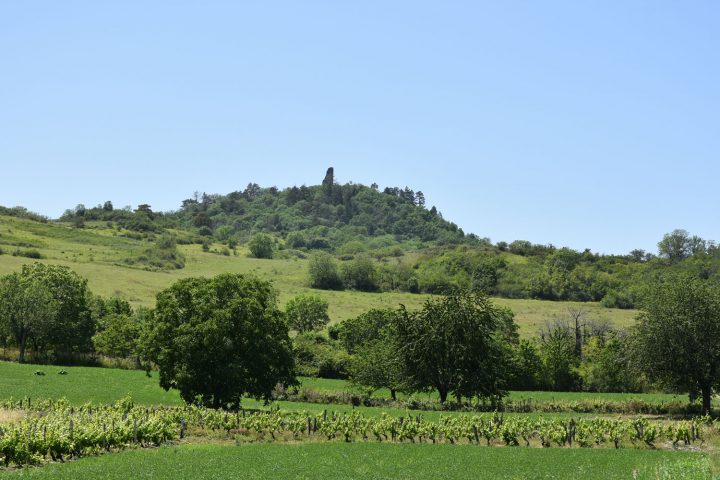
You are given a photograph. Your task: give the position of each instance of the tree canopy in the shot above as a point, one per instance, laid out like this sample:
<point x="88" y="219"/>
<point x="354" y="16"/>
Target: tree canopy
<point x="678" y="335"/>
<point x="306" y="313"/>
<point x="217" y="339"/>
<point x="457" y="344"/>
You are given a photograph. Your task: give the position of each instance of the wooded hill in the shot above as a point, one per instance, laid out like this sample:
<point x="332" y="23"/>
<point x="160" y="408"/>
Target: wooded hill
<point x="388" y="240"/>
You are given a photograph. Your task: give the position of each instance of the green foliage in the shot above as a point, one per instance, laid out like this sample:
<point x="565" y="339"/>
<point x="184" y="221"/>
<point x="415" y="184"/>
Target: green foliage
<point x="678" y="334"/>
<point x="163" y="255"/>
<point x="218" y="339"/>
<point x="370" y="326"/>
<point x="323" y="216"/>
<point x="527" y="367"/>
<point x="360" y="274"/>
<point x="31" y="253"/>
<point x="319" y="356"/>
<point x="376" y="363"/>
<point x="307" y="313"/>
<point x="46" y="307"/>
<point x="607" y="365"/>
<point x="557" y="350"/>
<point x="27" y="312"/>
<point x="60" y="432"/>
<point x="457" y="344"/>
<point x="323" y="272"/>
<point x="261" y="245"/>
<point x="119" y="333"/>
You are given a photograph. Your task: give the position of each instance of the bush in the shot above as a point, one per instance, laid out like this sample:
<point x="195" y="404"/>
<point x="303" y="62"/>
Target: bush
<point x="323" y="272"/>
<point x="27" y="253"/>
<point x="360" y="274"/>
<point x="164" y="255"/>
<point x="295" y="240"/>
<point x="261" y="245"/>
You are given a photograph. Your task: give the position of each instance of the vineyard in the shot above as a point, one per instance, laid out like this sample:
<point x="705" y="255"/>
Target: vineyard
<point x="56" y="431"/>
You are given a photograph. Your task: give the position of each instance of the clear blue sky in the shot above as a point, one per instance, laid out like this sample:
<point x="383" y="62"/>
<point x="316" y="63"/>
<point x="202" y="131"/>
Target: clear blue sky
<point x="580" y="123"/>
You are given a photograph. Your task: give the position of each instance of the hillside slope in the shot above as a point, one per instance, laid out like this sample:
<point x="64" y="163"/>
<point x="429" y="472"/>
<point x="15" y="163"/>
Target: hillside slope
<point x="98" y="252"/>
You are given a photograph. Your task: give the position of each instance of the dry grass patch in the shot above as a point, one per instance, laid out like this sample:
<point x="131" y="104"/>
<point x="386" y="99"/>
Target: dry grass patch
<point x="10" y="416"/>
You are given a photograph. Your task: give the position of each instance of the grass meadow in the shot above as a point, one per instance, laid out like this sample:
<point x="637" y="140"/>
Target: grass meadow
<point x="107" y="385"/>
<point x="96" y="253"/>
<point x="376" y="461"/>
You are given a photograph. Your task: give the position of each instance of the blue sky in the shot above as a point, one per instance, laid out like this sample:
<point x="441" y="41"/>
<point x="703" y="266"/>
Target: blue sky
<point x="581" y="123"/>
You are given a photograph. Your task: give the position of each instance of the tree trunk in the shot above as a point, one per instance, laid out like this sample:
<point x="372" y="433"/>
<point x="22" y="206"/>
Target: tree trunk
<point x="21" y="346"/>
<point x="443" y="394"/>
<point x="393" y="394"/>
<point x="706" y="398"/>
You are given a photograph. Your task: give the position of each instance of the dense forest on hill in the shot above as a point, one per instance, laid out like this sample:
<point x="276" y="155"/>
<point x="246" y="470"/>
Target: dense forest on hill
<point x="376" y="239"/>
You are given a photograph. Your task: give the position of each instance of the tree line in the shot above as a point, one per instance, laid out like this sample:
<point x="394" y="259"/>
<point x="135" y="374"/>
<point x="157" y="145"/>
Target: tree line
<point x="219" y="339"/>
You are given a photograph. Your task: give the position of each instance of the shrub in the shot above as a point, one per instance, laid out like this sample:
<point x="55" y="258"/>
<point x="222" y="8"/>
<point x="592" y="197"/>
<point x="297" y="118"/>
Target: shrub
<point x="27" y="253"/>
<point x="261" y="245"/>
<point x="323" y="272"/>
<point x="360" y="274"/>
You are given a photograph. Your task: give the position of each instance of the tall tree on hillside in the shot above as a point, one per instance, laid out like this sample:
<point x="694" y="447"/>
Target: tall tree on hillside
<point x="675" y="245"/>
<point x="677" y="339"/>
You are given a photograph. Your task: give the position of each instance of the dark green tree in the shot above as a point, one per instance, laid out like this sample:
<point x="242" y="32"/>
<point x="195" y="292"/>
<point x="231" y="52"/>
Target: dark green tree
<point x="323" y="272"/>
<point x="27" y="311"/>
<point x="361" y="274"/>
<point x="527" y="367"/>
<point x="559" y="356"/>
<point x="677" y="338"/>
<point x="261" y="245"/>
<point x="73" y="325"/>
<point x="218" y="339"/>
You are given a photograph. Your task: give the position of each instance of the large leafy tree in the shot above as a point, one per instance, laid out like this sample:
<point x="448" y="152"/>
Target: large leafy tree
<point x="73" y="325"/>
<point x="47" y="306"/>
<point x="678" y="335"/>
<point x="376" y="363"/>
<point x="27" y="311"/>
<point x="220" y="338"/>
<point x="457" y="344"/>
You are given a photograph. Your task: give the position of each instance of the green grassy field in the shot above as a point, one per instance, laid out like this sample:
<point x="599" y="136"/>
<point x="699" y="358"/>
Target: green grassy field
<point x="95" y="253"/>
<point x="107" y="385"/>
<point x="336" y="386"/>
<point x="376" y="461"/>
